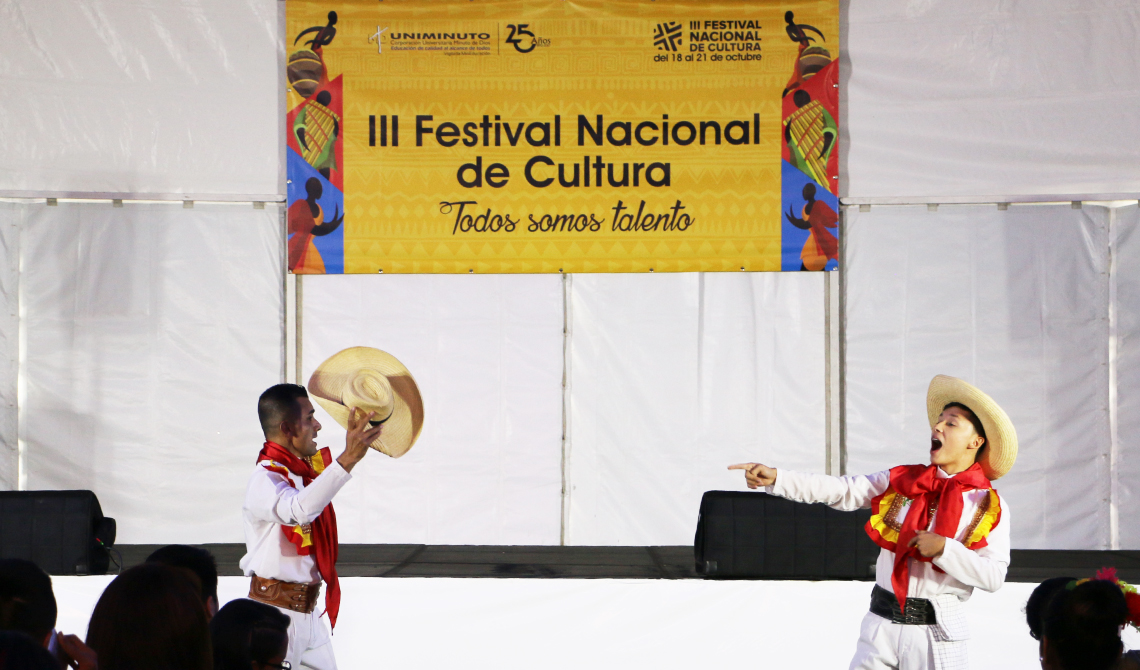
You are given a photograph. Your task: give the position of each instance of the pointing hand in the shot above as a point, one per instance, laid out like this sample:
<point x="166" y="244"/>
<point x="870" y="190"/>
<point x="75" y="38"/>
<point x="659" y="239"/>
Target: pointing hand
<point x="756" y="474"/>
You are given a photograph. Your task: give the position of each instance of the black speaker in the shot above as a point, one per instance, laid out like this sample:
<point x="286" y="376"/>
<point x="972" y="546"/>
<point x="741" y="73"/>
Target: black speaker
<point x="760" y="536"/>
<point x="63" y="532"/>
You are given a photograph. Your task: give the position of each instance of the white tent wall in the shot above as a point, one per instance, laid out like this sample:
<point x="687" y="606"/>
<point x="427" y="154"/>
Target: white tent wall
<point x="9" y="345"/>
<point x="989" y="98"/>
<point x="672" y="377"/>
<point x="1126" y="338"/>
<point x="1015" y="301"/>
<point x="145" y="97"/>
<point x="150" y="330"/>
<point x="486" y="352"/>
<point x="185" y="98"/>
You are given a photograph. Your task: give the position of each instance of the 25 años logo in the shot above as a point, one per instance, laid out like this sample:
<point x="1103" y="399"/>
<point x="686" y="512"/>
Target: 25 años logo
<point x="523" y="40"/>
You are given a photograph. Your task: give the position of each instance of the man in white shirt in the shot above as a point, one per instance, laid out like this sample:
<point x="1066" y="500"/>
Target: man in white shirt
<point x="942" y="528"/>
<point x="290" y="526"/>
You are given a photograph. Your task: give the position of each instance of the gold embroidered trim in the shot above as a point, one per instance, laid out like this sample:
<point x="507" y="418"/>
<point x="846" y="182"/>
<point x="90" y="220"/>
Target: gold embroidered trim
<point x="891" y="519"/>
<point x="979" y="514"/>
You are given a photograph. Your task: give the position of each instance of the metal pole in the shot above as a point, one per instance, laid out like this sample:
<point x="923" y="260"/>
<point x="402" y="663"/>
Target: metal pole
<point x="832" y="371"/>
<point x="1113" y="416"/>
<point x="841" y="306"/>
<point x="564" y="530"/>
<point x="300" y="328"/>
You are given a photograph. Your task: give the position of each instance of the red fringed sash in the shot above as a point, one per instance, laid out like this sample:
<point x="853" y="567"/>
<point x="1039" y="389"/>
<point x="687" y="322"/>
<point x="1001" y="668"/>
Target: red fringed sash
<point x="921" y="484"/>
<point x="318" y="539"/>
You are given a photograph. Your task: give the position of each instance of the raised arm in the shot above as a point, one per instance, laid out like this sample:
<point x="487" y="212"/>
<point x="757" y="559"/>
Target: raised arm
<point x="271" y="497"/>
<point x="842" y="493"/>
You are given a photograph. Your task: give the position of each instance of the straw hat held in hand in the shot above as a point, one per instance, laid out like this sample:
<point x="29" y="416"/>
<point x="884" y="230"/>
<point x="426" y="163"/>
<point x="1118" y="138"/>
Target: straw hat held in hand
<point x="374" y="381"/>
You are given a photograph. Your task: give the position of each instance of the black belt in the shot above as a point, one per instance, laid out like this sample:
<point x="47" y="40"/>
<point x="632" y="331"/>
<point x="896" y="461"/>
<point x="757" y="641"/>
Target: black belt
<point x="919" y="611"/>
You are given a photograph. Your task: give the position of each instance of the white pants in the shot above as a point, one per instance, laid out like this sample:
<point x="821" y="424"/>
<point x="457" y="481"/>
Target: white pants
<point x="309" y="643"/>
<point x="892" y="646"/>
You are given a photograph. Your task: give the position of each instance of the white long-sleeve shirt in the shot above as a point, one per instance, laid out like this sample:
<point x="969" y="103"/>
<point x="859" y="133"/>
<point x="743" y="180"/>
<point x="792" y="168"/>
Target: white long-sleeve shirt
<point x="270" y="502"/>
<point x="964" y="568"/>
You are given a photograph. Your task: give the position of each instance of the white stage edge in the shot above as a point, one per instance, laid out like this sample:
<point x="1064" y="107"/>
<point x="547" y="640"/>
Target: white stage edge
<point x="607" y="623"/>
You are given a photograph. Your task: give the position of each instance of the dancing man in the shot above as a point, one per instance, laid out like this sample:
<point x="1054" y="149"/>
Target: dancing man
<point x="290" y="527"/>
<point x="942" y="527"/>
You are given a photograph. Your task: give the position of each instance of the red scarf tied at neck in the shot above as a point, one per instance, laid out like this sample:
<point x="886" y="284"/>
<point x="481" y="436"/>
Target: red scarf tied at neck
<point x="924" y="487"/>
<point x="319" y="539"/>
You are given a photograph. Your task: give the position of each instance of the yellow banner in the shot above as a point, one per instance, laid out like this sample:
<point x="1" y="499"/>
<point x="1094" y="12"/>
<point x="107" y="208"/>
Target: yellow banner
<point x="458" y="136"/>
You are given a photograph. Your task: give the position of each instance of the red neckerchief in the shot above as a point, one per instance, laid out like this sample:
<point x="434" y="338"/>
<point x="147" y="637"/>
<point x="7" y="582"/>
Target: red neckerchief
<point x="322" y="534"/>
<point x="923" y="486"/>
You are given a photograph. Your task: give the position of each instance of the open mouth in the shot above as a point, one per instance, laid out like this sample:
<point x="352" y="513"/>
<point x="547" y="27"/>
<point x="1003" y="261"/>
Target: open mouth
<point x="935" y="444"/>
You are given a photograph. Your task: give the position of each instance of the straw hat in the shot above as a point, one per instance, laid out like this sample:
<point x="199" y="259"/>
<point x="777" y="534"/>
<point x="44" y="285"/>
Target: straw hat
<point x="373" y="381"/>
<point x="1001" y="438"/>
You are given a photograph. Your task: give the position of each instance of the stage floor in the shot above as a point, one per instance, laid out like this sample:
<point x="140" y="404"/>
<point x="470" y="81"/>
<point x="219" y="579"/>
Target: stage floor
<point x="428" y="623"/>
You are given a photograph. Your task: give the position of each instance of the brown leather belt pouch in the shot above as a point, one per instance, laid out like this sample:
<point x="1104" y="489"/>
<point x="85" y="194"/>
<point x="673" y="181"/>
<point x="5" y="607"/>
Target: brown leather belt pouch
<point x="286" y="595"/>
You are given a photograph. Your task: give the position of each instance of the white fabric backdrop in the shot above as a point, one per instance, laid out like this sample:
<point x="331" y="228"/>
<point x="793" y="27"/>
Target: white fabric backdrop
<point x="9" y="342"/>
<point x="1015" y="302"/>
<point x="940" y="99"/>
<point x="1126" y="225"/>
<point x="486" y="352"/>
<point x="986" y="97"/>
<point x="141" y="97"/>
<point x="675" y="376"/>
<point x="151" y="330"/>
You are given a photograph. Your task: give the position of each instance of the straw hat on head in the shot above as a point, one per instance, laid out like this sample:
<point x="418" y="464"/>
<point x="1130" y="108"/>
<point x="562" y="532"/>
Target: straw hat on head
<point x="1001" y="438"/>
<point x="373" y="381"/>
